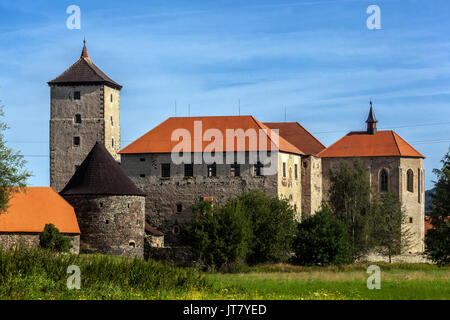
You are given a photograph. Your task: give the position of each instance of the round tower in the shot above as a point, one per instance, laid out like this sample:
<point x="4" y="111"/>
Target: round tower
<point x="110" y="209"/>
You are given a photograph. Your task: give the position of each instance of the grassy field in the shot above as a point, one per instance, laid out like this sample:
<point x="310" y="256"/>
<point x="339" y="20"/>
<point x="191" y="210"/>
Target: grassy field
<point x="35" y="274"/>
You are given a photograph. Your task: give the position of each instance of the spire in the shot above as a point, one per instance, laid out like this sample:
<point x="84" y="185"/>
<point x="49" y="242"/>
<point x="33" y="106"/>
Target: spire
<point x="84" y="53"/>
<point x="371" y="121"/>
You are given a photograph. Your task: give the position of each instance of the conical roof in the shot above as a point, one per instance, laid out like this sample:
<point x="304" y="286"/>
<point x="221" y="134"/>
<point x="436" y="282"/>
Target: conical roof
<point x="84" y="71"/>
<point x="100" y="174"/>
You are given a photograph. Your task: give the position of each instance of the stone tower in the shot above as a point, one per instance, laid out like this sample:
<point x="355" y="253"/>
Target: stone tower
<point x="84" y="109"/>
<point x="110" y="209"/>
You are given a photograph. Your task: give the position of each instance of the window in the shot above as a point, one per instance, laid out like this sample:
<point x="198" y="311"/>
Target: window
<point x="236" y="169"/>
<point x="179" y="207"/>
<point x="76" y="141"/>
<point x="258" y="171"/>
<point x="165" y="170"/>
<point x="188" y="170"/>
<point x="142" y="159"/>
<point x="77" y="118"/>
<point x="305" y="164"/>
<point x="284" y="169"/>
<point x="132" y="244"/>
<point x="212" y="170"/>
<point x="112" y="122"/>
<point x="419" y="184"/>
<point x="112" y="142"/>
<point x="142" y="175"/>
<point x="383" y="180"/>
<point x="111" y="97"/>
<point x="296" y="171"/>
<point x="410" y="220"/>
<point x="77" y="95"/>
<point x="176" y="229"/>
<point x="410" y="180"/>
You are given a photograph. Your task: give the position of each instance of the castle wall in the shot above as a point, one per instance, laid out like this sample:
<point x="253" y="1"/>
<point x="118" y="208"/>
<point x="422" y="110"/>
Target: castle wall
<point x="311" y="170"/>
<point x="112" y="121"/>
<point x="110" y="224"/>
<point x="31" y="240"/>
<point x="168" y="200"/>
<point x="290" y="186"/>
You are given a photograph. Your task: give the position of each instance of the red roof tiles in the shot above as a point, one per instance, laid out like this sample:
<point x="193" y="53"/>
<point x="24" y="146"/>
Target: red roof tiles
<point x="363" y="144"/>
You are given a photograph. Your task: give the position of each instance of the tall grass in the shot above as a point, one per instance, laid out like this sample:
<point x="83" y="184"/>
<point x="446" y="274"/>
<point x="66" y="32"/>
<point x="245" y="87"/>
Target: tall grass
<point x="36" y="273"/>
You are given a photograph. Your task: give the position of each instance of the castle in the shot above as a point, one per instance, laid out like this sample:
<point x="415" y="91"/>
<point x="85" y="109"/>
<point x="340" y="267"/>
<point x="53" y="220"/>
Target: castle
<point x="150" y="191"/>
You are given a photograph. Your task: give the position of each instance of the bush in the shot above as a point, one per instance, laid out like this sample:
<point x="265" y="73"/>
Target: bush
<point x="273" y="227"/>
<point x="322" y="240"/>
<point x="218" y="235"/>
<point x="51" y="239"/>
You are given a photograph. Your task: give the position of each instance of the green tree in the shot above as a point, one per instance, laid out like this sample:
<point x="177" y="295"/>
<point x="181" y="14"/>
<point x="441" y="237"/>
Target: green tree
<point x="50" y="238"/>
<point x="13" y="175"/>
<point x="390" y="233"/>
<point x="437" y="240"/>
<point x="273" y="227"/>
<point x="218" y="235"/>
<point x="349" y="200"/>
<point x="322" y="240"/>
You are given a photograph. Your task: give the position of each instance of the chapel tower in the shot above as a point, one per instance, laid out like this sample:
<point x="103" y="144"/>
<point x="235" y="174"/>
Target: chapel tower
<point x="84" y="109"/>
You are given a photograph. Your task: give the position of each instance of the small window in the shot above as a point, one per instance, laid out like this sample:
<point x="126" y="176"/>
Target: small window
<point x="410" y="220"/>
<point x="112" y="122"/>
<point x="212" y="170"/>
<point x="142" y="175"/>
<point x="258" y="169"/>
<point x="112" y="142"/>
<point x="383" y="180"/>
<point x="296" y="171"/>
<point x="111" y="97"/>
<point x="410" y="180"/>
<point x="305" y="164"/>
<point x="76" y="141"/>
<point x="179" y="207"/>
<point x="77" y="95"/>
<point x="236" y="169"/>
<point x="142" y="159"/>
<point x="284" y="169"/>
<point x="176" y="229"/>
<point x="107" y="221"/>
<point x="101" y="204"/>
<point x="132" y="244"/>
<point x="188" y="170"/>
<point x="165" y="170"/>
<point x="77" y="118"/>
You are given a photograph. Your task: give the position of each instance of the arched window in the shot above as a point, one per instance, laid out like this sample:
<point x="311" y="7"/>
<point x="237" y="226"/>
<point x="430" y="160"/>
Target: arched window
<point x="383" y="181"/>
<point x="410" y="180"/>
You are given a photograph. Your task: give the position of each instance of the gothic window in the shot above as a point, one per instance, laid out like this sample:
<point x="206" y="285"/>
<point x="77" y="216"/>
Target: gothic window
<point x="77" y="118"/>
<point x="410" y="180"/>
<point x="188" y="170"/>
<point x="284" y="169"/>
<point x="212" y="170"/>
<point x="77" y="95"/>
<point x="165" y="170"/>
<point x="236" y="169"/>
<point x="383" y="180"/>
<point x="76" y="141"/>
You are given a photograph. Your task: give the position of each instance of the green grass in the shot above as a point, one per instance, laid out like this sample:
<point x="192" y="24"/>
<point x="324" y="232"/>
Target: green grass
<point x="37" y="274"/>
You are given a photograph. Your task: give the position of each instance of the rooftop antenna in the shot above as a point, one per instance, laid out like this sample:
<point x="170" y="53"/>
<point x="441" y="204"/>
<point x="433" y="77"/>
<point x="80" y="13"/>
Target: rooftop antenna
<point x="189" y="110"/>
<point x="239" y="106"/>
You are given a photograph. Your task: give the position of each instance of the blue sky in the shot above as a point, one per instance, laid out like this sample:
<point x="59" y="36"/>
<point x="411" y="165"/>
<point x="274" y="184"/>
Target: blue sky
<point x="316" y="59"/>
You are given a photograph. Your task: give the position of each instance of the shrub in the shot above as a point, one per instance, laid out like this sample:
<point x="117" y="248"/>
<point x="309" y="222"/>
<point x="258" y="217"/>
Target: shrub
<point x="322" y="240"/>
<point x="218" y="235"/>
<point x="51" y="239"/>
<point x="273" y="227"/>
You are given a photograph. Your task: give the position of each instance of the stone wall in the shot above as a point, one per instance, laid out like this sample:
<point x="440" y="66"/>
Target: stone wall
<point x="290" y="186"/>
<point x="95" y="112"/>
<point x="31" y="240"/>
<point x="311" y="169"/>
<point x="169" y="200"/>
<point x="110" y="224"/>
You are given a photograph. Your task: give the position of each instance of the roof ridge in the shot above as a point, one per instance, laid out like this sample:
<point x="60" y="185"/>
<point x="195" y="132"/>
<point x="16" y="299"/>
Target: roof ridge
<point x="310" y="134"/>
<point x="396" y="135"/>
<point x="396" y="143"/>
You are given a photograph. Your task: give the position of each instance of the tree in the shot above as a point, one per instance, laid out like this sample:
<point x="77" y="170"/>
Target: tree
<point x="437" y="240"/>
<point x="322" y="240"/>
<point x="389" y="231"/>
<point x="50" y="238"/>
<point x="218" y="235"/>
<point x="349" y="200"/>
<point x="13" y="175"/>
<point x="273" y="227"/>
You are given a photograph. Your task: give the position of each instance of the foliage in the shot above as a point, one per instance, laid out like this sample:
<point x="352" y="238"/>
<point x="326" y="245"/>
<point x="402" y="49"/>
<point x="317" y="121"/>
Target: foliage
<point x="390" y="233"/>
<point x="218" y="235"/>
<point x="273" y="227"/>
<point x="437" y="239"/>
<point x="50" y="238"/>
<point x="349" y="200"/>
<point x="322" y="240"/>
<point x="13" y="175"/>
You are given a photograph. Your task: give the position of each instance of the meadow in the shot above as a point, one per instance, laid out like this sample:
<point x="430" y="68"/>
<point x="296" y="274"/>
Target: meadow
<point x="37" y="274"/>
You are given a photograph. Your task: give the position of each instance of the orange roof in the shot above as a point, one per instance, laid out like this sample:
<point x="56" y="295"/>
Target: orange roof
<point x="31" y="210"/>
<point x="158" y="140"/>
<point x="363" y="144"/>
<point x="298" y="136"/>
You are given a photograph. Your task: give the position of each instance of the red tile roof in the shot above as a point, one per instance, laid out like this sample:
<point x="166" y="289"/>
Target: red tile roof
<point x="84" y="71"/>
<point x="31" y="210"/>
<point x="362" y="144"/>
<point x="298" y="136"/>
<point x="158" y="140"/>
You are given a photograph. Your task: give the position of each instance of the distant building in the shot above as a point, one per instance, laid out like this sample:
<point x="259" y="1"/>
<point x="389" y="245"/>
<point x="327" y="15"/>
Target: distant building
<point x="28" y="213"/>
